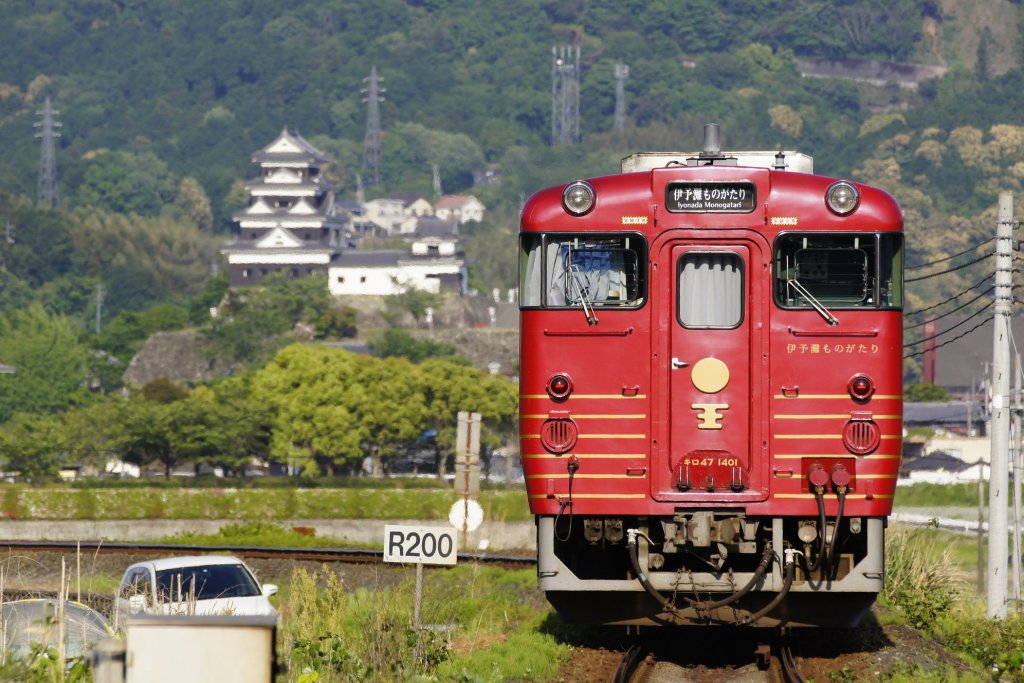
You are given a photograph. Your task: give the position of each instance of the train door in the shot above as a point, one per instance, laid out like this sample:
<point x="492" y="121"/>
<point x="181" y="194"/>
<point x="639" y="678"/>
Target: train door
<point x="715" y="374"/>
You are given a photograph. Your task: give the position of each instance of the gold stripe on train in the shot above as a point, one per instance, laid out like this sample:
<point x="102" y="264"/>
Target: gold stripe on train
<point x="588" y="396"/>
<point x="593" y="496"/>
<point x="839" y="416"/>
<point x="577" y="416"/>
<point x="800" y="456"/>
<point x="584" y="456"/>
<point x="593" y="436"/>
<point x="821" y="396"/>
<point x="827" y="436"/>
<point x="565" y="475"/>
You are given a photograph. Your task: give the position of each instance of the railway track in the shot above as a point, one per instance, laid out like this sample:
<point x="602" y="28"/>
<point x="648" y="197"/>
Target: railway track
<point x="346" y="555"/>
<point x="647" y="663"/>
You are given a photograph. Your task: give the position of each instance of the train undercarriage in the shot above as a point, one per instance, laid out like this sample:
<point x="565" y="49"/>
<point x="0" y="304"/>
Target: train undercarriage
<point x="711" y="566"/>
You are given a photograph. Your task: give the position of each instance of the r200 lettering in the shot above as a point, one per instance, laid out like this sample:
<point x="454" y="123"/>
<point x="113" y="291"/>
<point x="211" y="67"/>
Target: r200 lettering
<point x="415" y="544"/>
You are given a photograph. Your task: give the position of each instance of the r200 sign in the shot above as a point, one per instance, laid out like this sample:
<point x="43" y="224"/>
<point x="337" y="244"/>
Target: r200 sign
<point x="419" y="545"/>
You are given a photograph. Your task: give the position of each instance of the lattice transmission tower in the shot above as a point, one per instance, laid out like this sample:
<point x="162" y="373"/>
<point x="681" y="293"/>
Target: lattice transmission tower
<point x="565" y="95"/>
<point x="621" y="74"/>
<point x="46" y="189"/>
<point x="371" y="144"/>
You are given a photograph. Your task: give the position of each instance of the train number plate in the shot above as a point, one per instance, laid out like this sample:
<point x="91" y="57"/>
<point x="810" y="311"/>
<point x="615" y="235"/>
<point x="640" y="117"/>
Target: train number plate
<point x="710" y="197"/>
<point x="709" y="471"/>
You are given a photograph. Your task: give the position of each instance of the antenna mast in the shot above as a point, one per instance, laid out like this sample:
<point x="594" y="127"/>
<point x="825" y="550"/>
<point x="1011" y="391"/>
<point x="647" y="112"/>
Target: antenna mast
<point x="371" y="144"/>
<point x="621" y="74"/>
<point x="565" y="95"/>
<point x="46" y="189"/>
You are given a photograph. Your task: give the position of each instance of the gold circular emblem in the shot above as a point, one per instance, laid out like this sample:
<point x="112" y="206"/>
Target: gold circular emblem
<point x="710" y="375"/>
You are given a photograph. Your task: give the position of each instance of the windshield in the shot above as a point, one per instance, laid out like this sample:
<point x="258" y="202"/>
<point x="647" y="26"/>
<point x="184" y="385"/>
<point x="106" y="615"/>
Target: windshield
<point x="210" y="581"/>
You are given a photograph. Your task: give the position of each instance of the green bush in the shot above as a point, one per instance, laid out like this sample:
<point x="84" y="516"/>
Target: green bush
<point x="920" y="578"/>
<point x="994" y="645"/>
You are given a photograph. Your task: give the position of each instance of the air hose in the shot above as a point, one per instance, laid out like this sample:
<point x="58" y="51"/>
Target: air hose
<point x="762" y="567"/>
<point x="787" y="583"/>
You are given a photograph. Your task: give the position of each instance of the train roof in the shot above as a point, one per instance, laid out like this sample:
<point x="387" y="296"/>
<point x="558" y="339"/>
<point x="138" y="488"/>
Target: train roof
<point x="780" y="160"/>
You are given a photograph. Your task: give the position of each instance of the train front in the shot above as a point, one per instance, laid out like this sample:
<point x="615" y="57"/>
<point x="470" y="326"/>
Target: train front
<point x="711" y="390"/>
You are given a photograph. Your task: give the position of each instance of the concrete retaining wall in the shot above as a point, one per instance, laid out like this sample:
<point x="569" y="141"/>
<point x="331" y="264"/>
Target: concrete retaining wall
<point x="490" y="535"/>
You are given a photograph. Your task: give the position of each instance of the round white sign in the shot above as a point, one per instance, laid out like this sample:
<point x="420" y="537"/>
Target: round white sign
<point x="466" y="513"/>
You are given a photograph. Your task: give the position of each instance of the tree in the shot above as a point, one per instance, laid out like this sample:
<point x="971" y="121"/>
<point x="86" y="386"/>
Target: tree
<point x="127" y="182"/>
<point x="192" y="200"/>
<point x="33" y="445"/>
<point x="310" y="393"/>
<point x="449" y="388"/>
<point x="925" y="393"/>
<point x="394" y="342"/>
<point x="50" y="362"/>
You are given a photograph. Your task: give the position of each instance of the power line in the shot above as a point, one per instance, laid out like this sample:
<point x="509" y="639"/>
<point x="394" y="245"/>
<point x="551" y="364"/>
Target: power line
<point x="955" y="296"/>
<point x="950" y="258"/>
<point x="950" y="341"/>
<point x="949" y="313"/>
<point x="950" y="329"/>
<point x="950" y="270"/>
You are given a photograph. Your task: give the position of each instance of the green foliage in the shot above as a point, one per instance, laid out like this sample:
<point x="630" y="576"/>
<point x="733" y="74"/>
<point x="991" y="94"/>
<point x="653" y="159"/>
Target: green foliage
<point x="123" y="335"/>
<point x="919" y="581"/>
<point x="50" y="362"/>
<point x="32" y="445"/>
<point x="263" y="503"/>
<point x="396" y="342"/>
<point x="937" y="495"/>
<point x="994" y="645"/>
<point x="412" y="301"/>
<point x="252" y="323"/>
<point x="337" y="323"/>
<point x="923" y="393"/>
<point x="493" y="618"/>
<point x="127" y="182"/>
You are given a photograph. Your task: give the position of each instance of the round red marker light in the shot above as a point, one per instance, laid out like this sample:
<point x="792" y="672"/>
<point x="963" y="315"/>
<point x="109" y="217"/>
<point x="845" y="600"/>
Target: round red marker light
<point x="559" y="386"/>
<point x="861" y="387"/>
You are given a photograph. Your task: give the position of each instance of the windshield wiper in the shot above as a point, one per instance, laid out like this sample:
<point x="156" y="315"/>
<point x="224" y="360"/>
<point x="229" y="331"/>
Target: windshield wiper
<point x="580" y="289"/>
<point x="815" y="304"/>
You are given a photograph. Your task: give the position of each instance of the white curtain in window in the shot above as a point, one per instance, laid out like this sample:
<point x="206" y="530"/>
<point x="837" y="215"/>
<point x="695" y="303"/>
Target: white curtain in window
<point x="710" y="290"/>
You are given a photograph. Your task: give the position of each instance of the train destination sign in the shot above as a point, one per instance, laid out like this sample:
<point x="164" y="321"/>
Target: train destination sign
<point x="722" y="197"/>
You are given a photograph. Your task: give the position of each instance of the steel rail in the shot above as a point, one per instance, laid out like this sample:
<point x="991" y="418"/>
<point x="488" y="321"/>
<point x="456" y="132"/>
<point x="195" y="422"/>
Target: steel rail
<point x="350" y="555"/>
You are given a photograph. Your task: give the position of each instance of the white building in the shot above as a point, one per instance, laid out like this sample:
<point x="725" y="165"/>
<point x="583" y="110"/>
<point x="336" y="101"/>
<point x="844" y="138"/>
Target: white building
<point x="461" y="207"/>
<point x="290" y="224"/>
<point x="433" y="265"/>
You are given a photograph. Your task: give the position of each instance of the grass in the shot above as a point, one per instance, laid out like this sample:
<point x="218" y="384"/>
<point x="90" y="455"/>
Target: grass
<point x="404" y="499"/>
<point x="485" y="625"/>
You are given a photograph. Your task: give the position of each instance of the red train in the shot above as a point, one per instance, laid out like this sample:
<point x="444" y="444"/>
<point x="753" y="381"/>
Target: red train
<point x="711" y="389"/>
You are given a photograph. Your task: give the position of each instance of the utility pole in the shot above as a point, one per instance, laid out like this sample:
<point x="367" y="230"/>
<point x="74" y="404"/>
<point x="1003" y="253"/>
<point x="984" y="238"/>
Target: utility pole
<point x="437" y="180"/>
<point x="1017" y="463"/>
<point x="999" y="463"/>
<point x="99" y="305"/>
<point x="371" y="144"/>
<point x="46" y="189"/>
<point x="621" y="74"/>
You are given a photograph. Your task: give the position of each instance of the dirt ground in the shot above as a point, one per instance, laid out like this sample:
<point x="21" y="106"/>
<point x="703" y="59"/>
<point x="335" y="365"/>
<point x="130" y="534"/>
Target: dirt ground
<point x="866" y="653"/>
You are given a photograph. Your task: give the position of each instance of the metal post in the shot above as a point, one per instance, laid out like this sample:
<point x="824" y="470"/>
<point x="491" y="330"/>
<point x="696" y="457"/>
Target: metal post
<point x="999" y="465"/>
<point x="416" y="627"/>
<point x="1016" y="479"/>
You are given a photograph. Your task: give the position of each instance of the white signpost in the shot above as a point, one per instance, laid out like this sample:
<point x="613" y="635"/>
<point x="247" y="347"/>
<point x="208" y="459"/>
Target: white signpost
<point x="419" y="545"/>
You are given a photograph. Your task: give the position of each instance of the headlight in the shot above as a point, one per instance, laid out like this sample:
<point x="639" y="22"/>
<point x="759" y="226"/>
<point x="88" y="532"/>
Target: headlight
<point x="842" y="197"/>
<point x="578" y="198"/>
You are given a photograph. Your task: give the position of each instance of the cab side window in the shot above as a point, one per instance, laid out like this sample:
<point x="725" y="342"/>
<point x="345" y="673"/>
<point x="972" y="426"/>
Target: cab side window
<point x="582" y="270"/>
